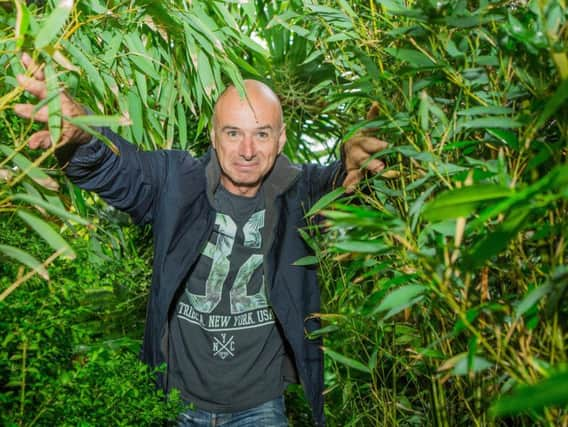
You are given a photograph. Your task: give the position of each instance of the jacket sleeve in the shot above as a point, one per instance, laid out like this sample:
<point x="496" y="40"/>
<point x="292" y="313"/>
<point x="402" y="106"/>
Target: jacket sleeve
<point x="129" y="180"/>
<point x="323" y="179"/>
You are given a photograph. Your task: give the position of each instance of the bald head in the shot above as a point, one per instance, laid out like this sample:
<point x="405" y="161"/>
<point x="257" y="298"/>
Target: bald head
<point x="258" y="96"/>
<point x="248" y="134"/>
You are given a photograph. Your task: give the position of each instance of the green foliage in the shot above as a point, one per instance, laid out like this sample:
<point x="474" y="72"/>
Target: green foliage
<point x="70" y="349"/>
<point x="437" y="274"/>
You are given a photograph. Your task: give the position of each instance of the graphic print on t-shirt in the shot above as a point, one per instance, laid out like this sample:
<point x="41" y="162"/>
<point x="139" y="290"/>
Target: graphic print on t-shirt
<point x="234" y="297"/>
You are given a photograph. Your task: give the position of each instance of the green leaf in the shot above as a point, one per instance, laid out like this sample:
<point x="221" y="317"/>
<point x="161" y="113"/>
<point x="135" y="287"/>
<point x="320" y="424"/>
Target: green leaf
<point x="83" y="61"/>
<point x="400" y="298"/>
<point x="489" y="122"/>
<point x="463" y="201"/>
<point x="22" y="22"/>
<point x="47" y="233"/>
<point x="491" y="109"/>
<point x="53" y="24"/>
<point x="414" y="57"/>
<point x="135" y="112"/>
<point x="139" y="56"/>
<point x="182" y="125"/>
<point x="55" y="210"/>
<point x="26" y="166"/>
<point x="497" y="240"/>
<point x="25" y="258"/>
<point x="307" y="260"/>
<point x="54" y="104"/>
<point x="99" y="121"/>
<point x="360" y="246"/>
<point x="347" y="361"/>
<point x="465" y="365"/>
<point x="553" y="104"/>
<point x="549" y="392"/>
<point x="506" y="137"/>
<point x="325" y="201"/>
<point x="533" y="297"/>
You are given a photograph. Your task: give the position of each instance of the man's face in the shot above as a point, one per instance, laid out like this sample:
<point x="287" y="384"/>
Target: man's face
<point x="247" y="138"/>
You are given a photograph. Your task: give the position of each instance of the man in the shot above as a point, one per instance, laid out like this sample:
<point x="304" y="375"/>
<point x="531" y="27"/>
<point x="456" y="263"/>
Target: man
<point x="228" y="310"/>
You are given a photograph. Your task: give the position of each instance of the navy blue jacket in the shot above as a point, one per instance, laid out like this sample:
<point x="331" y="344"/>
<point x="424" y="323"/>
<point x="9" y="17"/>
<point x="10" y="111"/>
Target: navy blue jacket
<point x="173" y="191"/>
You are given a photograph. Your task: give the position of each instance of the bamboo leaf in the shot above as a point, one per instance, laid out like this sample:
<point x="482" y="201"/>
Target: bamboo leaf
<point x="26" y="259"/>
<point x="400" y="298"/>
<point x="490" y="122"/>
<point x="413" y="57"/>
<point x="533" y="297"/>
<point x="325" y="201"/>
<point x="347" y="361"/>
<point x="546" y="393"/>
<point x="553" y="104"/>
<point x="55" y="210"/>
<point x="22" y="22"/>
<point x="47" y="233"/>
<point x="463" y="201"/>
<point x="135" y="112"/>
<point x="307" y="260"/>
<point x="99" y="121"/>
<point x="54" y="104"/>
<point x="92" y="73"/>
<point x="362" y="246"/>
<point x="34" y="172"/>
<point x="53" y="24"/>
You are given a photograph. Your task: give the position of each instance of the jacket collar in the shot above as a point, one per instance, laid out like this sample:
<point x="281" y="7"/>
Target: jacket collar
<point x="281" y="177"/>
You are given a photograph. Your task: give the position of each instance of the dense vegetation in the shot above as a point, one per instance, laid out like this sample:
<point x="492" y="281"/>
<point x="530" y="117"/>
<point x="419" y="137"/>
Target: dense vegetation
<point x="443" y="278"/>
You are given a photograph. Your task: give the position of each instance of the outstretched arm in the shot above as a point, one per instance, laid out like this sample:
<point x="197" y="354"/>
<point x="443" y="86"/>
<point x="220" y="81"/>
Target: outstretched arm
<point x="128" y="181"/>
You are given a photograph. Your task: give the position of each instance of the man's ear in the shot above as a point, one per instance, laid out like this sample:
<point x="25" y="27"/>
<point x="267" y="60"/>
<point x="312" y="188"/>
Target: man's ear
<point x="212" y="137"/>
<point x="282" y="139"/>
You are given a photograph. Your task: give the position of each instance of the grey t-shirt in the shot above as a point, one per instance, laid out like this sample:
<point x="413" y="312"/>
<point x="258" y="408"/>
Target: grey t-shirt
<point x="226" y="351"/>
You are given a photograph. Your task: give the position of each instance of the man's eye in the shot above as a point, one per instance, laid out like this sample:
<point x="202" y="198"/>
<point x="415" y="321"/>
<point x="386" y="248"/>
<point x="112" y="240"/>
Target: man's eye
<point x="263" y="135"/>
<point x="233" y="133"/>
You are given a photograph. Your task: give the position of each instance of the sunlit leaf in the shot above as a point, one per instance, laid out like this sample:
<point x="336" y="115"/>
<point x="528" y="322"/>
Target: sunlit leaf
<point x="325" y="201"/>
<point x="53" y="24"/>
<point x="363" y="246"/>
<point x="463" y="201"/>
<point x="490" y="122"/>
<point x="26" y="259"/>
<point x="22" y="22"/>
<point x="307" y="260"/>
<point x="34" y="172"/>
<point x="400" y="298"/>
<point x="55" y="210"/>
<point x="47" y="233"/>
<point x="347" y="361"/>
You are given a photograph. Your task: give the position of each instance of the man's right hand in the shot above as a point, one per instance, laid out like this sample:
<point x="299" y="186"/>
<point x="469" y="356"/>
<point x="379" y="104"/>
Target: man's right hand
<point x="69" y="108"/>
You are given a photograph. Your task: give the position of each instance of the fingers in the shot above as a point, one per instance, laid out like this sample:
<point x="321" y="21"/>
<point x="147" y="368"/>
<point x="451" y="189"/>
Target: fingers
<point x="373" y="111"/>
<point x="358" y="150"/>
<point x="33" y="86"/>
<point x="351" y="181"/>
<point x="27" y="111"/>
<point x="31" y="66"/>
<point x="40" y="139"/>
<point x="368" y="144"/>
<point x="375" y="166"/>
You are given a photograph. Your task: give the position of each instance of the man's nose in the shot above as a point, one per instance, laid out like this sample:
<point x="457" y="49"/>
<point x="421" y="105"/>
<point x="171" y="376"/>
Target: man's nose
<point x="247" y="148"/>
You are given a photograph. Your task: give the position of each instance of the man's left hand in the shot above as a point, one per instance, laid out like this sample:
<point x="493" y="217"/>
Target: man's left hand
<point x="358" y="153"/>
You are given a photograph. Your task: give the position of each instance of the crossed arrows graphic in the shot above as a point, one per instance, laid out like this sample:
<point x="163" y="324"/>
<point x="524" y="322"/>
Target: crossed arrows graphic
<point x="224" y="350"/>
